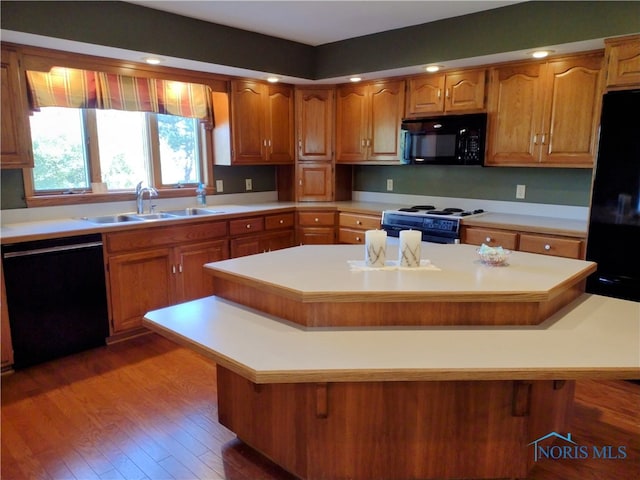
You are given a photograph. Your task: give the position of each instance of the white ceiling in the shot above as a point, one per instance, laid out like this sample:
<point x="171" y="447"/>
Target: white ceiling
<point x="318" y="22"/>
<point x="310" y="22"/>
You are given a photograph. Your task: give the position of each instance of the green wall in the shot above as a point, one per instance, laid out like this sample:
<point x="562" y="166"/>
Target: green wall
<point x="559" y="186"/>
<point x="514" y="27"/>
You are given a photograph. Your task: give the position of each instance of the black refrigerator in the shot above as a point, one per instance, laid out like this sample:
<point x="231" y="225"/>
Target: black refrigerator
<point x="614" y="223"/>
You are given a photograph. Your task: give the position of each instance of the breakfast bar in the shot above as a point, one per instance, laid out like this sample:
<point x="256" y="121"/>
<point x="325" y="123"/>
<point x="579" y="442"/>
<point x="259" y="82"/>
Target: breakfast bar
<point x="393" y="399"/>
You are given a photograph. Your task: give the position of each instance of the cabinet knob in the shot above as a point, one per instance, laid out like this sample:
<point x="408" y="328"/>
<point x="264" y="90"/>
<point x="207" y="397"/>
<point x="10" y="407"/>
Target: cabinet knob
<point x="547" y="247"/>
<point x="358" y="222"/>
<point x="357" y="239"/>
<point x="248" y="225"/>
<point x="488" y="239"/>
<point x="316" y="219"/>
<point x="281" y="221"/>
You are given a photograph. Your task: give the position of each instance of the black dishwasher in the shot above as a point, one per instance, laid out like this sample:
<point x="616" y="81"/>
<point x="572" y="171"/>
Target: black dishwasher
<point x="56" y="296"/>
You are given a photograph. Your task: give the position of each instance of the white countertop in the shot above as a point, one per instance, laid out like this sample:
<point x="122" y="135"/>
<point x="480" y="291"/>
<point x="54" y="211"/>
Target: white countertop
<point x="593" y="337"/>
<point x="322" y="272"/>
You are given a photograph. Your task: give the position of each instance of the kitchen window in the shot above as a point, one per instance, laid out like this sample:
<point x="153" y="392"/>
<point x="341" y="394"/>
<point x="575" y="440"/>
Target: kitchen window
<point x="137" y="129"/>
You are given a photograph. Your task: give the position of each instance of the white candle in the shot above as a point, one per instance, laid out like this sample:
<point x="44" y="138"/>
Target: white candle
<point x="409" y="249"/>
<point x="375" y="246"/>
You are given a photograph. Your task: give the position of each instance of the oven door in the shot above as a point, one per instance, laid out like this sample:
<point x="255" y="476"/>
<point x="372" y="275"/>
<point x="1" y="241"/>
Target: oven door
<point x="432" y="237"/>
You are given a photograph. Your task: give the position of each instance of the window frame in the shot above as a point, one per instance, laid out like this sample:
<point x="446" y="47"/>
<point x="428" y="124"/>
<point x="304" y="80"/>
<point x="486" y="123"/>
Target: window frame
<point x="43" y="59"/>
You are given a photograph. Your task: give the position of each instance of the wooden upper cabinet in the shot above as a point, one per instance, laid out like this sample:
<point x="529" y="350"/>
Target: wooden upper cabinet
<point x="623" y="62"/>
<point x="368" y="119"/>
<point x="545" y="113"/>
<point x="16" y="136"/>
<point x="451" y="92"/>
<point x="314" y="123"/>
<point x="262" y="123"/>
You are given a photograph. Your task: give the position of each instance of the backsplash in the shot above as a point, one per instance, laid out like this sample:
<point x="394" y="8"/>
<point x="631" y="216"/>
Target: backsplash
<point x="556" y="186"/>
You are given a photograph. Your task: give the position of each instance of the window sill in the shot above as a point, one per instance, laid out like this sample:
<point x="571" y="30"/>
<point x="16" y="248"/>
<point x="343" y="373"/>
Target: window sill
<point x="84" y="198"/>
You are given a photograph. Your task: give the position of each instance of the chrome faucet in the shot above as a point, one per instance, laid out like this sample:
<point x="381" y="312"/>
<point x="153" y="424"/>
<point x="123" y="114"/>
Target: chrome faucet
<point x="140" y="196"/>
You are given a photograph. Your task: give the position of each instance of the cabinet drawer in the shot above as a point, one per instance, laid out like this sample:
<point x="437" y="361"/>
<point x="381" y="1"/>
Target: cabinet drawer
<point x="246" y="225"/>
<point x="561" y="247"/>
<point x="168" y="235"/>
<point x="317" y="218"/>
<point x="282" y="220"/>
<point x="347" y="235"/>
<point x="493" y="238"/>
<point x="363" y="222"/>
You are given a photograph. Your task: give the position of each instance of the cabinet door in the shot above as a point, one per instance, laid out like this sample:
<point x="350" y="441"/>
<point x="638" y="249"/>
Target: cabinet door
<point x="248" y="128"/>
<point x="14" y="128"/>
<point x="426" y="95"/>
<point x="515" y="114"/>
<point x="279" y="121"/>
<point x="277" y="240"/>
<point x="351" y="124"/>
<point x="315" y="182"/>
<point x="243" y="246"/>
<point x="316" y="236"/>
<point x="465" y="91"/>
<point x="387" y="109"/>
<point x="572" y="111"/>
<point x="314" y="116"/>
<point x="623" y="67"/>
<point x="192" y="281"/>
<point x="139" y="282"/>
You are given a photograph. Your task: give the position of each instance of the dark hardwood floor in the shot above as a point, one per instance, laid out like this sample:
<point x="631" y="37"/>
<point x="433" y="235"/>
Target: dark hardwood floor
<point x="146" y="409"/>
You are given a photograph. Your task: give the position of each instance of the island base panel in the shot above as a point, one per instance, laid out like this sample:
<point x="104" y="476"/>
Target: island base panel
<point x="395" y="430"/>
<point x="371" y="313"/>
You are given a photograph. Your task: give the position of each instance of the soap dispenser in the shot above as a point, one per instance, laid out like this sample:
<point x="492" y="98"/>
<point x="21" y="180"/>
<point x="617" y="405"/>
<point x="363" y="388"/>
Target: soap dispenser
<point x="201" y="194"/>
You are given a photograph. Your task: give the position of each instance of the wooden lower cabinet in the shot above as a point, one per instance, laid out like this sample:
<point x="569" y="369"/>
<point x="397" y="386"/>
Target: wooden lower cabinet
<point x="316" y="227"/>
<point x="557" y="245"/>
<point x="261" y="234"/>
<point x="352" y="226"/>
<point x="395" y="430"/>
<point x="153" y="268"/>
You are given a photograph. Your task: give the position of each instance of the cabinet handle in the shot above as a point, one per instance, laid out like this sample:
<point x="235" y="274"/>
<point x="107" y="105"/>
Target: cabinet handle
<point x="300" y="182"/>
<point x="447" y="93"/>
<point x="488" y="239"/>
<point x="264" y="142"/>
<point x="364" y="142"/>
<point x="180" y="268"/>
<point x="269" y="143"/>
<point x="368" y="142"/>
<point x="547" y="247"/>
<point x="542" y="140"/>
<point x="535" y="139"/>
<point x="173" y="269"/>
<point x="439" y="94"/>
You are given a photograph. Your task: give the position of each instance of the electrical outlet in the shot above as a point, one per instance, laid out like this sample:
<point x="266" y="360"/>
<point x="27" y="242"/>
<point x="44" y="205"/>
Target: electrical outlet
<point x="219" y="186"/>
<point x="389" y="184"/>
<point x="520" y="191"/>
<point x="248" y="184"/>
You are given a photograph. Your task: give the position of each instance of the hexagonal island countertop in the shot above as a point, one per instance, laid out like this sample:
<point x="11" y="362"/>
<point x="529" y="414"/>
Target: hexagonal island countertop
<point x="329" y="286"/>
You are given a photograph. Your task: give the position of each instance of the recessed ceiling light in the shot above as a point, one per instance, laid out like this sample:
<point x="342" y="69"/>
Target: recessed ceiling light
<point x="541" y="53"/>
<point x="153" y="60"/>
<point x="272" y="79"/>
<point x="432" y="68"/>
<point x="355" y="79"/>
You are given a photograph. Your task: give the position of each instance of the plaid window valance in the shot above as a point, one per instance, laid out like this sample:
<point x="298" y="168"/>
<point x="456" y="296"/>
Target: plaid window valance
<point x="68" y="87"/>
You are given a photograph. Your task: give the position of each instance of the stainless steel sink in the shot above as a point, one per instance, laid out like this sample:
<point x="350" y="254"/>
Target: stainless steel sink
<point x="119" y="218"/>
<point x="189" y="212"/>
<point x="153" y="216"/>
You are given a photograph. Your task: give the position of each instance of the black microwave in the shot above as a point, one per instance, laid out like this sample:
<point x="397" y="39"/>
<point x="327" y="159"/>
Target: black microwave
<point x="447" y="140"/>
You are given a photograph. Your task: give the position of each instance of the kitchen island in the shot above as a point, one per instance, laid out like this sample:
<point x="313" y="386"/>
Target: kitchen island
<point x="397" y="401"/>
